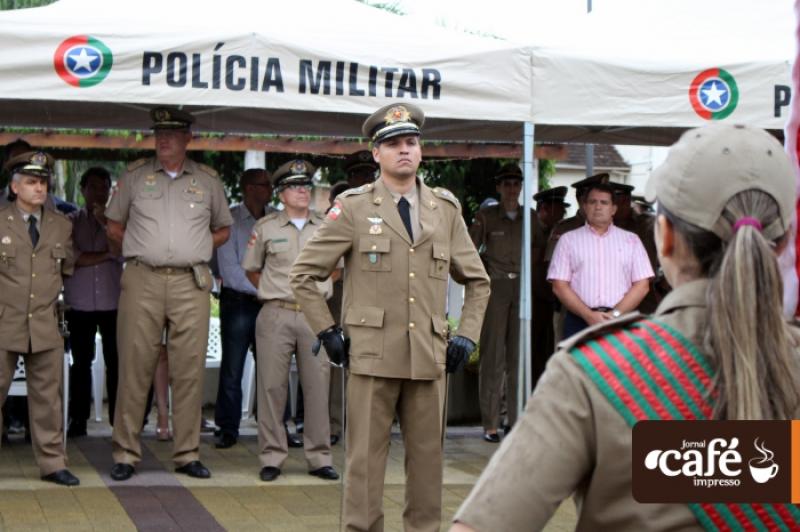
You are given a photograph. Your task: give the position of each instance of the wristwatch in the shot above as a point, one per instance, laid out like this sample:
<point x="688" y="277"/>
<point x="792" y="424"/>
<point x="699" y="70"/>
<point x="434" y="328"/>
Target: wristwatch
<point x="615" y="313"/>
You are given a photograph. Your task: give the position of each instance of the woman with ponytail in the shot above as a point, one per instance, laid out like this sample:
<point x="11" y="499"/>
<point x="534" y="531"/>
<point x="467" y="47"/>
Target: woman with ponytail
<point x="717" y="348"/>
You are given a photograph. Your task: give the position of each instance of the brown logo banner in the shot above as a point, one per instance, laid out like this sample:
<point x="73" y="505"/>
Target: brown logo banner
<point x="716" y="461"/>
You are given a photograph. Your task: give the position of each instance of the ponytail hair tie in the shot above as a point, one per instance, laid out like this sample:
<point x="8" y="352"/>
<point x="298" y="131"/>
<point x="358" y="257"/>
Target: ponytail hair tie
<point x="747" y="220"/>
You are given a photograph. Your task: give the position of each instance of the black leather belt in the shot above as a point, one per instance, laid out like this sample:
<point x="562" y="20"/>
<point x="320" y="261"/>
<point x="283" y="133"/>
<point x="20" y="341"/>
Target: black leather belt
<point x="237" y="295"/>
<point x="602" y="309"/>
<point x="163" y="269"/>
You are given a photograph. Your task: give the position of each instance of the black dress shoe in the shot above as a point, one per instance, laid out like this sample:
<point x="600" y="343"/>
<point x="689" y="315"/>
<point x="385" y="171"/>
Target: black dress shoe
<point x="269" y="473"/>
<point x="122" y="471"/>
<point x="76" y="431"/>
<point x="325" y="472"/>
<point x="194" y="469"/>
<point x="225" y="441"/>
<point x="62" y="477"/>
<point x="293" y="440"/>
<point x="491" y="438"/>
<point x="506" y="430"/>
<point x="335" y="439"/>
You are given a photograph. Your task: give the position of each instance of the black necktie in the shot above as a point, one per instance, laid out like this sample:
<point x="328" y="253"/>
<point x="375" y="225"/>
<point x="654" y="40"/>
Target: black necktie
<point x="32" y="230"/>
<point x="405" y="214"/>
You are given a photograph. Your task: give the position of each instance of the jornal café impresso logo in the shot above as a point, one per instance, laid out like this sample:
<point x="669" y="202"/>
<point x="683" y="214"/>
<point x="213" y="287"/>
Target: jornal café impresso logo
<point x="82" y="61"/>
<point x="716" y="461"/>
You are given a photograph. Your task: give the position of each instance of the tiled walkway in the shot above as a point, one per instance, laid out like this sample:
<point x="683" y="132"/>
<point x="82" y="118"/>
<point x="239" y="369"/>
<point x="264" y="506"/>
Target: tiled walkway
<point x="155" y="499"/>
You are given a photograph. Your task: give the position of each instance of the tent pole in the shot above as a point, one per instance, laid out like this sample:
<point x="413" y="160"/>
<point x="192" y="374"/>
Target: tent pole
<point x="530" y="185"/>
<point x="589" y="160"/>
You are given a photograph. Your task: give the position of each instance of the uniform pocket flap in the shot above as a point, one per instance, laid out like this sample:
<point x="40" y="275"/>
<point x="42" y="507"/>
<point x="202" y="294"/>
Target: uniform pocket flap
<point x="439" y="325"/>
<point x="365" y="316"/>
<point x="374" y="245"/>
<point x="59" y="253"/>
<point x="441" y="251"/>
<point x="7" y="250"/>
<point x="278" y="246"/>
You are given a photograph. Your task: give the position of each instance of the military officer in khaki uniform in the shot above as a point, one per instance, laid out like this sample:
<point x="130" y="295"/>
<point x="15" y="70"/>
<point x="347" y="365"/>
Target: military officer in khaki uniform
<point x="171" y="212"/>
<point x="282" y="329"/>
<point x="35" y="254"/>
<point x="497" y="235"/>
<point x="400" y="241"/>
<point x="550" y="208"/>
<point x="574" y="222"/>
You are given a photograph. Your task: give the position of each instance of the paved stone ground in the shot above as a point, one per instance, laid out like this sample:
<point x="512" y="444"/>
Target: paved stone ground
<point x="234" y="499"/>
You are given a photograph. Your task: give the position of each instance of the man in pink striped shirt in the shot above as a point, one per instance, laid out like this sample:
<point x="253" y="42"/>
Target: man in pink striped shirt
<point x="598" y="271"/>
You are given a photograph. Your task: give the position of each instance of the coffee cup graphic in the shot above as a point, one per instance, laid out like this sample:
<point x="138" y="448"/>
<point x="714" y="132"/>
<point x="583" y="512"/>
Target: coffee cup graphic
<point x="762" y="468"/>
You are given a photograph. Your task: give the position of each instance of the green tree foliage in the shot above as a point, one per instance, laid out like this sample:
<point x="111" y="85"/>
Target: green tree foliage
<point x="23" y="4"/>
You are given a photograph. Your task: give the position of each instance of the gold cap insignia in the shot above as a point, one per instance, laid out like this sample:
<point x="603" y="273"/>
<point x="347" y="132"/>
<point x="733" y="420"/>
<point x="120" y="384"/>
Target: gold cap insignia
<point x="161" y="115"/>
<point x="396" y="114"/>
<point x="39" y="159"/>
<point x="299" y="167"/>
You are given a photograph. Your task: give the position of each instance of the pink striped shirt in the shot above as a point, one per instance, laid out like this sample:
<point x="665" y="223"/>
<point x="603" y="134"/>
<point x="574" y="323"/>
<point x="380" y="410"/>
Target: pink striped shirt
<point x="599" y="268"/>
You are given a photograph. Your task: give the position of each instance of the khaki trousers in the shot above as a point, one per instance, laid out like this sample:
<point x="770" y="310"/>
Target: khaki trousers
<point x="44" y="372"/>
<point x="336" y="392"/>
<point x="279" y="333"/>
<point x="499" y="360"/>
<point x="372" y="403"/>
<point x="149" y="302"/>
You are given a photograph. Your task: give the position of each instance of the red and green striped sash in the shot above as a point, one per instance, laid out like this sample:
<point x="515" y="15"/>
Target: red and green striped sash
<point x="648" y="370"/>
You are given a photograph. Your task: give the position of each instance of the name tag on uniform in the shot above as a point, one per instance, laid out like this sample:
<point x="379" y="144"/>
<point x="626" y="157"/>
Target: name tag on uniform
<point x="497" y="233"/>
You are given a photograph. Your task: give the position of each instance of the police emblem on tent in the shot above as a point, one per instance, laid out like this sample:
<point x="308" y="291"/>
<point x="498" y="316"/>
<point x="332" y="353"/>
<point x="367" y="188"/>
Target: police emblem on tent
<point x="82" y="61"/>
<point x="714" y="94"/>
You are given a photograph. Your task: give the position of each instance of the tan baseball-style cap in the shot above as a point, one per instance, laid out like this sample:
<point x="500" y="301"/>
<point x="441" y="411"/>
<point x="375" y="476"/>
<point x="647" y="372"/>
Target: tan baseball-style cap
<point x="294" y="172"/>
<point x="35" y="163"/>
<point x="393" y="120"/>
<point x="711" y="164"/>
<point x="170" y="118"/>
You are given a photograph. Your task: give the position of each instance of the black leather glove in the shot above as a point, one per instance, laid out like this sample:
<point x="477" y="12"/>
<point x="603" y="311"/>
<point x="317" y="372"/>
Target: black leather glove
<point x="333" y="340"/>
<point x="458" y="351"/>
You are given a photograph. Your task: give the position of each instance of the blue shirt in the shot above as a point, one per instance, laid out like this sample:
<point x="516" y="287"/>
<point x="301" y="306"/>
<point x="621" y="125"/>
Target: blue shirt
<point x="231" y="253"/>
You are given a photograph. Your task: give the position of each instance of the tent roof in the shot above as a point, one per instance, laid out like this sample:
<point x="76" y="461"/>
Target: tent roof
<point x="483" y="84"/>
<point x="622" y="74"/>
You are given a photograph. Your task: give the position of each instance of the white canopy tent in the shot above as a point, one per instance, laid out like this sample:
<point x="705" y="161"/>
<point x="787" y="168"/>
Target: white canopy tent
<point x="307" y="67"/>
<point x="624" y="73"/>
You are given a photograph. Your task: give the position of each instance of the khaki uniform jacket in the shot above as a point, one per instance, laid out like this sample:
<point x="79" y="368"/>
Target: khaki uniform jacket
<point x="571" y="440"/>
<point x="274" y="244"/>
<point x="395" y="291"/>
<point x="498" y="239"/>
<point x="169" y="221"/>
<point x="31" y="279"/>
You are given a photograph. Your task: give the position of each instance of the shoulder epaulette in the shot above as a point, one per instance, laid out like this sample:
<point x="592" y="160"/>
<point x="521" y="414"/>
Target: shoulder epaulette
<point x="443" y="193"/>
<point x="600" y="329"/>
<point x="267" y="217"/>
<point x="207" y="169"/>
<point x="355" y="191"/>
<point x="136" y="164"/>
